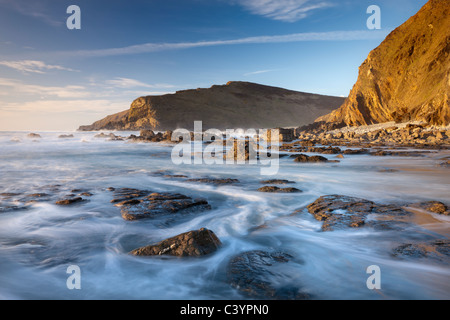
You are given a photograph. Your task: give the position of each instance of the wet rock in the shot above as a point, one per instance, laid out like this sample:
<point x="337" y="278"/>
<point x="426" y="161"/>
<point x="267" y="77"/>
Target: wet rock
<point x="147" y="134"/>
<point x="124" y="194"/>
<point x="438" y="250"/>
<point x="137" y="204"/>
<point x="356" y="151"/>
<point x="337" y="212"/>
<point x="34" y="136"/>
<point x="263" y="275"/>
<point x="105" y="136"/>
<point x="215" y="181"/>
<point x="69" y="201"/>
<point x="432" y="206"/>
<point x="445" y="164"/>
<point x="273" y="189"/>
<point x="277" y="181"/>
<point x="190" y="244"/>
<point x="5" y="208"/>
<point x="307" y="159"/>
<point x="66" y="136"/>
<point x="175" y="176"/>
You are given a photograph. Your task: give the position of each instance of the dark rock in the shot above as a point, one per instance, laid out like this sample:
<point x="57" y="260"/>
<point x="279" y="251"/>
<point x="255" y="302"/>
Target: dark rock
<point x="433" y="206"/>
<point x="260" y="275"/>
<point x="339" y="212"/>
<point x="355" y="151"/>
<point x="34" y="136"/>
<point x="137" y="204"/>
<point x="273" y="189"/>
<point x="276" y="181"/>
<point x="67" y="202"/>
<point x="215" y="181"/>
<point x="66" y="136"/>
<point x="438" y="250"/>
<point x="445" y="164"/>
<point x="306" y="159"/>
<point x="175" y="176"/>
<point x="190" y="244"/>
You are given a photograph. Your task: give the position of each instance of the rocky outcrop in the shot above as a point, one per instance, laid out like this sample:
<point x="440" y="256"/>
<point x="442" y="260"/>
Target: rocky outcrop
<point x="273" y="189"/>
<point x="142" y="204"/>
<point x="407" y="78"/>
<point x="339" y="212"/>
<point x="260" y="275"/>
<point x="235" y="105"/>
<point x="190" y="244"/>
<point x="437" y="250"/>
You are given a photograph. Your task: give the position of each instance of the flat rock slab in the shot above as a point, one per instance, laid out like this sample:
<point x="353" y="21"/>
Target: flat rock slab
<point x="437" y="250"/>
<point x="190" y="244"/>
<point x="273" y="189"/>
<point x="138" y="204"/>
<point x="69" y="201"/>
<point x="214" y="181"/>
<point x="257" y="274"/>
<point x="433" y="206"/>
<point x="277" y="182"/>
<point x="337" y="212"/>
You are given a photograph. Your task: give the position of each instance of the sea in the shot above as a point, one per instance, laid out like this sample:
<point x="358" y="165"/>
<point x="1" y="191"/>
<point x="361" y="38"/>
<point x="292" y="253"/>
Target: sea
<point x="40" y="241"/>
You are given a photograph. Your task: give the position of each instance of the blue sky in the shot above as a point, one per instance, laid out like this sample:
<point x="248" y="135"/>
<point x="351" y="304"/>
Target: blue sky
<point x="52" y="78"/>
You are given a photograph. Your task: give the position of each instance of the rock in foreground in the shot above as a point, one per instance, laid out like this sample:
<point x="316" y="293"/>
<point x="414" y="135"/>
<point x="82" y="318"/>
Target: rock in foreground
<point x="190" y="244"/>
<point x="260" y="274"/>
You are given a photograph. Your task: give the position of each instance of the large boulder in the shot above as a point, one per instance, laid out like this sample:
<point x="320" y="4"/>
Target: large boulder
<point x="190" y="244"/>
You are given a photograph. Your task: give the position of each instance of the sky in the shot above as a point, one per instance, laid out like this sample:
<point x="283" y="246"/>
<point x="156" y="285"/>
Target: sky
<point x="56" y="79"/>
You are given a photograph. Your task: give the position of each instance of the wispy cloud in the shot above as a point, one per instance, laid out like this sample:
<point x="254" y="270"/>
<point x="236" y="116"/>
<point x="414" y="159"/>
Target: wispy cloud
<point x="259" y="72"/>
<point x="33" y="66"/>
<point x="283" y="10"/>
<point x="64" y="92"/>
<point x="297" y="37"/>
<point x="35" y="9"/>
<point x="132" y="83"/>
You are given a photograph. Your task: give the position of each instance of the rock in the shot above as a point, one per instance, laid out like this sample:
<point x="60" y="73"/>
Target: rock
<point x="306" y="159"/>
<point x="432" y="206"/>
<point x="437" y="250"/>
<point x="65" y="136"/>
<point x="272" y="189"/>
<point x="406" y="77"/>
<point x="261" y="275"/>
<point x="70" y="201"/>
<point x="34" y="136"/>
<point x="215" y="181"/>
<point x="338" y="212"/>
<point x="358" y="151"/>
<point x="190" y="244"/>
<point x="445" y="164"/>
<point x="147" y="134"/>
<point x="276" y="181"/>
<point x="340" y="156"/>
<point x="138" y="204"/>
<point x="242" y="151"/>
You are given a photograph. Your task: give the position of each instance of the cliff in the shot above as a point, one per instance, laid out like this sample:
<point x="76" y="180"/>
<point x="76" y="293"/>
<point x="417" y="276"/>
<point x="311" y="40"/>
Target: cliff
<point x="407" y="78"/>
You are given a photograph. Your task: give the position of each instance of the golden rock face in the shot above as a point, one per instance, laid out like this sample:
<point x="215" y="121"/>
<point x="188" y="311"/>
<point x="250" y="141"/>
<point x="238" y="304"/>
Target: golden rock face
<point x="407" y="77"/>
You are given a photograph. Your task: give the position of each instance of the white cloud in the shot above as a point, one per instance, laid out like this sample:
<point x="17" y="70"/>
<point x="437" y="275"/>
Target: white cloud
<point x="32" y="66"/>
<point x="132" y="83"/>
<point x="259" y="72"/>
<point x="297" y="37"/>
<point x="283" y="10"/>
<point x="65" y="92"/>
